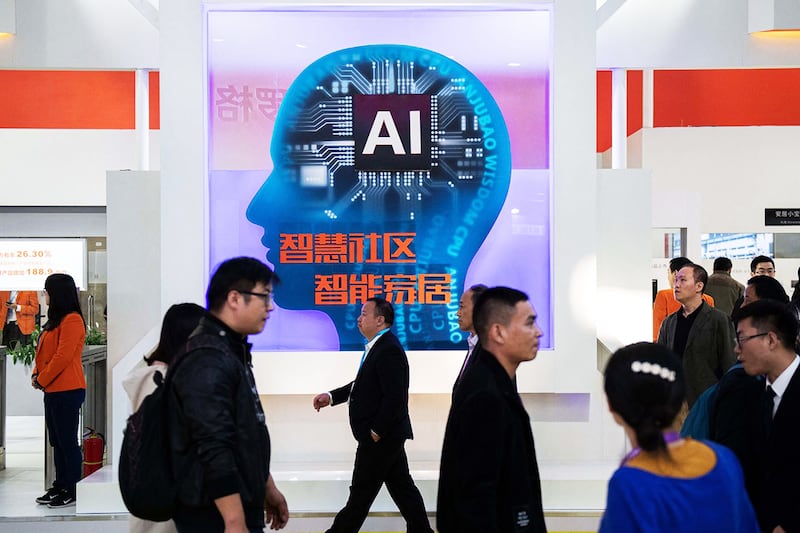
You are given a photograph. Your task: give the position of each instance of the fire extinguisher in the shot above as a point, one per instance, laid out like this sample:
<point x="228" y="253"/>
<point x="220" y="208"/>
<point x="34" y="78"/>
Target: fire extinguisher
<point x="93" y="446"/>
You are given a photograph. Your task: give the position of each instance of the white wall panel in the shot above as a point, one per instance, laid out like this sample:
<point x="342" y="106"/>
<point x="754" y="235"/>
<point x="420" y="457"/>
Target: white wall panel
<point x="134" y="284"/>
<point x="80" y="34"/>
<point x="688" y="34"/>
<point x="62" y="167"/>
<point x="720" y="180"/>
<point x="623" y="257"/>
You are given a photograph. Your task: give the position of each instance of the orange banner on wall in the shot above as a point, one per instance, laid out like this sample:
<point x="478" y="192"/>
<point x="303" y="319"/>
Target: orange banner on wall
<point x="67" y="99"/>
<point x="726" y="97"/>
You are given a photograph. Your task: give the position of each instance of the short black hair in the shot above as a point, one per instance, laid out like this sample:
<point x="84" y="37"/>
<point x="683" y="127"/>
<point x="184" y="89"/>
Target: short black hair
<point x="722" y="264"/>
<point x="768" y="288"/>
<point x="645" y="385"/>
<point x="237" y="274"/>
<point x="698" y="274"/>
<point x="179" y="322"/>
<point x="383" y="308"/>
<point x="760" y="259"/>
<point x="677" y="263"/>
<point x="769" y="315"/>
<point x="477" y="290"/>
<point x="495" y="305"/>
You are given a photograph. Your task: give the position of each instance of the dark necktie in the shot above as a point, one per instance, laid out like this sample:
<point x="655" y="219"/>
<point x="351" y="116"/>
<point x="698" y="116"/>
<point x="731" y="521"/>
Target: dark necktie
<point x="768" y="406"/>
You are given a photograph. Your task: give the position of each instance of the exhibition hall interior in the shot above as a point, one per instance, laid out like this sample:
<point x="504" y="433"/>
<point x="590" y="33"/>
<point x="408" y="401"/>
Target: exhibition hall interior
<point x="566" y="148"/>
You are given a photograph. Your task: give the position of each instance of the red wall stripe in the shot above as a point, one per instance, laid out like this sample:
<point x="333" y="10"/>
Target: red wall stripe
<point x="730" y="97"/>
<point x="604" y="96"/>
<point x="721" y="97"/>
<point x="67" y="99"/>
<point x="603" y="110"/>
<point x="155" y="100"/>
<point x="635" y="94"/>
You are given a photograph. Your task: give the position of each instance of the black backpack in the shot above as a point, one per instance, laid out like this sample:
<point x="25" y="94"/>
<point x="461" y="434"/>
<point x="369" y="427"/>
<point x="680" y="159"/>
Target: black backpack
<point x="145" y="469"/>
<point x="148" y="487"/>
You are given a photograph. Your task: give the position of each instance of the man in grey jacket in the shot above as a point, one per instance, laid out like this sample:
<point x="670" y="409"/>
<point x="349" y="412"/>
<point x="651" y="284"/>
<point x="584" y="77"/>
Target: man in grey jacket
<point x="722" y="287"/>
<point x="700" y="334"/>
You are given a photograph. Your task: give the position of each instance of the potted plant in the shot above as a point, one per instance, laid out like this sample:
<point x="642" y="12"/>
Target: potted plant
<point x="25" y="353"/>
<point x="95" y="336"/>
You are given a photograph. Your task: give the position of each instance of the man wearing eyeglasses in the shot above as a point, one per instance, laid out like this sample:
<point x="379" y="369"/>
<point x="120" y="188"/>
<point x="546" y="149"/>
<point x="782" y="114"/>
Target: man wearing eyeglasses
<point x="219" y="439"/>
<point x="761" y="265"/>
<point x="765" y="332"/>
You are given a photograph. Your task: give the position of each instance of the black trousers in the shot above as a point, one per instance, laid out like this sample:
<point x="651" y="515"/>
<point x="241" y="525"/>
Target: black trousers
<point x="378" y="463"/>
<point x="61" y="413"/>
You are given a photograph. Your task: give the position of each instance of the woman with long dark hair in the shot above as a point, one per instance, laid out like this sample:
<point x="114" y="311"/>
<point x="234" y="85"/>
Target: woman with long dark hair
<point x="59" y="373"/>
<point x="667" y="483"/>
<point x="179" y="322"/>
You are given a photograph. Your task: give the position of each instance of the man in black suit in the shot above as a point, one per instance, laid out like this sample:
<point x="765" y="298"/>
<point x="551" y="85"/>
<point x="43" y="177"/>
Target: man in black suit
<point x="379" y="420"/>
<point x="489" y="479"/>
<point x="766" y="332"/>
<point x="465" y="308"/>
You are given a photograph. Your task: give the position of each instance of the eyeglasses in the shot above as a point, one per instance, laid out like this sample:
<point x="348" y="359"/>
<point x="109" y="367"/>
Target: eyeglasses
<point x="266" y="296"/>
<point x="763" y="271"/>
<point x="742" y="340"/>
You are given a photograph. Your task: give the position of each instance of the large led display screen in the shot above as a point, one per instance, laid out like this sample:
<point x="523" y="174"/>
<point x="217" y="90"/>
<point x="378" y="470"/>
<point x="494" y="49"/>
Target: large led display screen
<point x="395" y="153"/>
<point x="26" y="263"/>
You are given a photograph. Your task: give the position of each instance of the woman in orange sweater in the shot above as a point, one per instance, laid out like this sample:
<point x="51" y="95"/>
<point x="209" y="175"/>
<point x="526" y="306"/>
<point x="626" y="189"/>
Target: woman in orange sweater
<point x="59" y="373"/>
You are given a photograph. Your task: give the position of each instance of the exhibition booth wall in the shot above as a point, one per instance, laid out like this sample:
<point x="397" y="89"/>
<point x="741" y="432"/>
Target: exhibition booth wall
<point x="693" y="178"/>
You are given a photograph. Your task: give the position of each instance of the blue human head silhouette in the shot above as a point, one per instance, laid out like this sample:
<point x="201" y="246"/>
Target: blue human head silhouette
<point x="391" y="164"/>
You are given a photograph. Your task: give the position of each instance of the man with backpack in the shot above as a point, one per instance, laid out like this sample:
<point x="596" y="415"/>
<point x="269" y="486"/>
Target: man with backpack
<point x="219" y="441"/>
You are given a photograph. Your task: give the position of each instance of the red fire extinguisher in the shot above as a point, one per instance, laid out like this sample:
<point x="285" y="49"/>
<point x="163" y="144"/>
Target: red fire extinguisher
<point x="93" y="446"/>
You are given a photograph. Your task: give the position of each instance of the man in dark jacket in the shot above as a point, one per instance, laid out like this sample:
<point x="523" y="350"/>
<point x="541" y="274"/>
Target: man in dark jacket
<point x="489" y="478"/>
<point x="699" y="334"/>
<point x="379" y="420"/>
<point x="220" y="443"/>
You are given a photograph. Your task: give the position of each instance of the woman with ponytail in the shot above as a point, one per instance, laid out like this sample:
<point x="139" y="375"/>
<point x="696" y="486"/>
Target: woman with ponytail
<point x="666" y="483"/>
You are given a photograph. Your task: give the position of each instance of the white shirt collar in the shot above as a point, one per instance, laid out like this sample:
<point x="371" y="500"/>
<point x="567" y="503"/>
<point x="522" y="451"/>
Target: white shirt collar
<point x="782" y="382"/>
<point x="472" y="341"/>
<point x="371" y="343"/>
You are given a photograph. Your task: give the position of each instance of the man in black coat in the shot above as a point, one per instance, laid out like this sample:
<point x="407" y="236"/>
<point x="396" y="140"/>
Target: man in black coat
<point x="219" y="439"/>
<point x="379" y="420"/>
<point x="766" y="331"/>
<point x="489" y="479"/>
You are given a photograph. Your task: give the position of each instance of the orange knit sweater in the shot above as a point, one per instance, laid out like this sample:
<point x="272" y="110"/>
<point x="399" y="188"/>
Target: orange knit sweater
<point x="58" y="356"/>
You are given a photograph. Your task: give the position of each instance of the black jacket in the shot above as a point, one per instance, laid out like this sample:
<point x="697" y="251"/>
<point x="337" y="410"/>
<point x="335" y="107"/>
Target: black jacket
<point x="219" y="438"/>
<point x="379" y="395"/>
<point x="780" y="464"/>
<point x="488" y="479"/>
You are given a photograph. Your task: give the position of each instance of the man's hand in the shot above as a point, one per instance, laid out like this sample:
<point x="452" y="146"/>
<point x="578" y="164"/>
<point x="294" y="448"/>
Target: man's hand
<point x="35" y="382"/>
<point x="322" y="400"/>
<point x="375" y="436"/>
<point x="275" y="505"/>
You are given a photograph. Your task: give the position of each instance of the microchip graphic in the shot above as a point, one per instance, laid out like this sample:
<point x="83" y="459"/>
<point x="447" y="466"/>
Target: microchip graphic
<point x="389" y="133"/>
